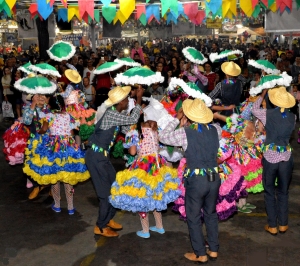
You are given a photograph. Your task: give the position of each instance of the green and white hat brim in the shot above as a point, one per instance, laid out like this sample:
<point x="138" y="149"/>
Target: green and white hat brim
<point x="283" y="80"/>
<point x="21" y="86"/>
<point x="107" y="69"/>
<point x="25" y="70"/>
<point x="126" y="62"/>
<point x="43" y="71"/>
<point x="136" y="79"/>
<point x="194" y="60"/>
<point x="264" y="68"/>
<point x="215" y="56"/>
<point x="65" y="57"/>
<point x="189" y="91"/>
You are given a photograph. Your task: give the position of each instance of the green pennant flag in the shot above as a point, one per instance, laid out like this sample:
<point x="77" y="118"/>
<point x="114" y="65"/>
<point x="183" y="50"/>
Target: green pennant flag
<point x="270" y="2"/>
<point x="298" y="4"/>
<point x="5" y="7"/>
<point x="147" y="1"/>
<point x="97" y="15"/>
<point x="256" y="11"/>
<point x="169" y="4"/>
<point x="109" y="13"/>
<point x="143" y="19"/>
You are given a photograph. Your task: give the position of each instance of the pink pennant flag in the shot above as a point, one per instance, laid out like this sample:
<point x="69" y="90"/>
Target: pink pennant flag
<point x="255" y="2"/>
<point x="199" y="17"/>
<point x="265" y="2"/>
<point x="191" y="10"/>
<point x="52" y="2"/>
<point x="282" y="4"/>
<point x="140" y="9"/>
<point x="86" y="6"/>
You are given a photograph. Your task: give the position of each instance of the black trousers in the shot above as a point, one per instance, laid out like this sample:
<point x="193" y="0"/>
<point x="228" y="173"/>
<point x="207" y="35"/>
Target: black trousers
<point x="277" y="203"/>
<point x="202" y="194"/>
<point x="103" y="174"/>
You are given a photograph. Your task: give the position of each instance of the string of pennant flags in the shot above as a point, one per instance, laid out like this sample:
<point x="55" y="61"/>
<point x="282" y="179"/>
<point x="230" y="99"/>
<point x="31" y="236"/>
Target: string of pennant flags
<point x="170" y="10"/>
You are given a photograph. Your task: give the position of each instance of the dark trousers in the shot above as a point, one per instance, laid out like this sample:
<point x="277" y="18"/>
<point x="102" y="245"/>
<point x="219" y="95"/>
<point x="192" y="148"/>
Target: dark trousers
<point x="202" y="194"/>
<point x="103" y="174"/>
<point x="101" y="96"/>
<point x="277" y="207"/>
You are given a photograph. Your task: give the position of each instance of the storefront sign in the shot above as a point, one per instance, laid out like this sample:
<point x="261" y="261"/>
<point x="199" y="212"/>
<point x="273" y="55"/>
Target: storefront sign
<point x="71" y="37"/>
<point x="213" y="23"/>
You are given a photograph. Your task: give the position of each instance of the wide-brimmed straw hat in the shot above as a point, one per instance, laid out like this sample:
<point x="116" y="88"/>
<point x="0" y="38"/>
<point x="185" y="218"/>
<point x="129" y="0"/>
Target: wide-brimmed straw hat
<point x="231" y="69"/>
<point x="117" y="95"/>
<point x="73" y="75"/>
<point x="197" y="111"/>
<point x="281" y="98"/>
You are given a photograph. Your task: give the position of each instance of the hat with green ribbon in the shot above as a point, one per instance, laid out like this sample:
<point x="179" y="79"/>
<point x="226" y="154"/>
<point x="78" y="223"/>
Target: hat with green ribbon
<point x="107" y="67"/>
<point x="61" y="50"/>
<point x="190" y="89"/>
<point x="127" y="61"/>
<point x="45" y="69"/>
<point x="194" y="55"/>
<point x="226" y="55"/>
<point x="25" y="68"/>
<point x="270" y="82"/>
<point x="35" y="85"/>
<point x="139" y="75"/>
<point x="264" y="65"/>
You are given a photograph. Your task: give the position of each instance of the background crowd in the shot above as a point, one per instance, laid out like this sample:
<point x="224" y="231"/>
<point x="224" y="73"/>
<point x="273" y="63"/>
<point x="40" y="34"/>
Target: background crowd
<point x="160" y="56"/>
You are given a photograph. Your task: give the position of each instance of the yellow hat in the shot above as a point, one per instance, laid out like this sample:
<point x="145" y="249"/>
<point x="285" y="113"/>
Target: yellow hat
<point x="281" y="98"/>
<point x="231" y="69"/>
<point x="73" y="75"/>
<point x="201" y="68"/>
<point x="117" y="95"/>
<point x="197" y="111"/>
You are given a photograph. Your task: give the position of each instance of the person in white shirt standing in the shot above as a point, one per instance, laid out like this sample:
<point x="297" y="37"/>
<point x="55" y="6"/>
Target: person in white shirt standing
<point x="89" y="92"/>
<point x="88" y="71"/>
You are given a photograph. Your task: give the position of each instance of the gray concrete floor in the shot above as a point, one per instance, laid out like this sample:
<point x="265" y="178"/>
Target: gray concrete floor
<point x="31" y="234"/>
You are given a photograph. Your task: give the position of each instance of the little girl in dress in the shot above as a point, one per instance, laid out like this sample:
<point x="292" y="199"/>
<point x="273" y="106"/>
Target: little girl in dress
<point x="148" y="185"/>
<point x="57" y="158"/>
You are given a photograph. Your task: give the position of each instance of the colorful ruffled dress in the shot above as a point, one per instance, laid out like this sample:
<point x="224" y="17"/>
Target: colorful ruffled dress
<point x="246" y="154"/>
<point x="55" y="157"/>
<point x="148" y="184"/>
<point x="15" y="142"/>
<point x="74" y="101"/>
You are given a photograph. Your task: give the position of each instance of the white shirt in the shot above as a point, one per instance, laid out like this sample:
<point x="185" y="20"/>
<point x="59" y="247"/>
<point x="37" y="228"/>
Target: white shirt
<point x="91" y="74"/>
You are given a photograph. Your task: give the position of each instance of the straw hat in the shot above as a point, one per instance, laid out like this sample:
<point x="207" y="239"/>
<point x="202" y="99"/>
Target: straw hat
<point x="201" y="68"/>
<point x="117" y="95"/>
<point x="231" y="69"/>
<point x="197" y="111"/>
<point x="73" y="75"/>
<point x="281" y="98"/>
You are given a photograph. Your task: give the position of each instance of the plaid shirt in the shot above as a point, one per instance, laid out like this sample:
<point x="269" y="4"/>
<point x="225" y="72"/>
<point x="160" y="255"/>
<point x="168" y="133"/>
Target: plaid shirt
<point x="270" y="156"/>
<point x="114" y="118"/>
<point x="170" y="136"/>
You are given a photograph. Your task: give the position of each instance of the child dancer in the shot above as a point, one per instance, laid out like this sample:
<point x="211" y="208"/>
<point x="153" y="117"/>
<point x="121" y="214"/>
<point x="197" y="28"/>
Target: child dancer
<point x="148" y="185"/>
<point x="57" y="158"/>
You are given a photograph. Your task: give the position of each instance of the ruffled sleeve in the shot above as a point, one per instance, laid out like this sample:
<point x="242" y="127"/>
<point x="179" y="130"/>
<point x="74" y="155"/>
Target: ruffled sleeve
<point x="131" y="139"/>
<point x="74" y="124"/>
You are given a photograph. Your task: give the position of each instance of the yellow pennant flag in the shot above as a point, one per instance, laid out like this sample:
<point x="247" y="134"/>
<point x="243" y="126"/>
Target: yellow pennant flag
<point x="73" y="11"/>
<point x="273" y="7"/>
<point x="246" y="6"/>
<point x="119" y="16"/>
<point x="127" y="7"/>
<point x="11" y="3"/>
<point x="229" y="8"/>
